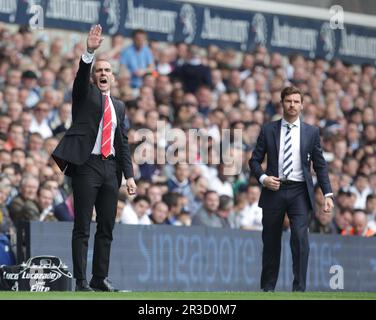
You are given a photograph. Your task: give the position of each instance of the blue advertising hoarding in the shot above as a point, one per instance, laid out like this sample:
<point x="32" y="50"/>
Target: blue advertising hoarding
<point x="203" y="25"/>
<point x="169" y="258"/>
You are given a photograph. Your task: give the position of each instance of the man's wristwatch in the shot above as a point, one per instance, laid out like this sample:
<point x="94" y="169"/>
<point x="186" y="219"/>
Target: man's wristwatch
<point x="91" y="51"/>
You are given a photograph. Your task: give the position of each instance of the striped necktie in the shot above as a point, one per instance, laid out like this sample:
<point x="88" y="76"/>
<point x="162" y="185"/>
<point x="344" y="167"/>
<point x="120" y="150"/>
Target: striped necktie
<point x="287" y="152"/>
<point x="106" y="129"/>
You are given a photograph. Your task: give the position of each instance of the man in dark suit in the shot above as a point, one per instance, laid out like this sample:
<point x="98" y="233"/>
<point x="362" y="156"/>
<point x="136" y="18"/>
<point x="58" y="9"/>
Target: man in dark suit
<point x="95" y="153"/>
<point x="291" y="146"/>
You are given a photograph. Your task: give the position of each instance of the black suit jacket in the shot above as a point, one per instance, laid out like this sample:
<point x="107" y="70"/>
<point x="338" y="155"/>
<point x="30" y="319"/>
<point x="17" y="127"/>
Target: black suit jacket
<point x="87" y="110"/>
<point x="310" y="151"/>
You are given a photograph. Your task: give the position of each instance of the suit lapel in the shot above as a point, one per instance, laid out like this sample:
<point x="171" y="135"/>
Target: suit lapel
<point x="277" y="135"/>
<point x="303" y="137"/>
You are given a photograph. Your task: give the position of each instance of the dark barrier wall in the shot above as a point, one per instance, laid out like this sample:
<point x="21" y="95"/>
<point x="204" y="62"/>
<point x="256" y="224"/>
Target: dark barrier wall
<point x="202" y="25"/>
<point x="167" y="258"/>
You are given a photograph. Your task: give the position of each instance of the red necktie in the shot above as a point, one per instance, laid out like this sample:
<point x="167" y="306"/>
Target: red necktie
<point x="106" y="129"/>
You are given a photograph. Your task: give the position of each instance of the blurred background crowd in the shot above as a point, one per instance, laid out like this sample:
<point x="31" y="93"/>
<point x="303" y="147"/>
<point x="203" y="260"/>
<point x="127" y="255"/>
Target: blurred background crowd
<point x="185" y="87"/>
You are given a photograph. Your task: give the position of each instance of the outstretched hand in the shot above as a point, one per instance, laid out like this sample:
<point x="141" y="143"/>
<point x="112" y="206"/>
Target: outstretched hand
<point x="94" y="38"/>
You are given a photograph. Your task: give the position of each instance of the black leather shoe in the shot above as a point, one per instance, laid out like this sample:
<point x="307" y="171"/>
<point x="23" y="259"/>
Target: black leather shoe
<point x="102" y="285"/>
<point x="82" y="285"/>
<point x="268" y="290"/>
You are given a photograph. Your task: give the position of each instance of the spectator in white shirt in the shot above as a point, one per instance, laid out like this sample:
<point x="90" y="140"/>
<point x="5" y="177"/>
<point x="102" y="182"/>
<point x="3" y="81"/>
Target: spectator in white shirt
<point x="136" y="213"/>
<point x="39" y="123"/>
<point x="251" y="215"/>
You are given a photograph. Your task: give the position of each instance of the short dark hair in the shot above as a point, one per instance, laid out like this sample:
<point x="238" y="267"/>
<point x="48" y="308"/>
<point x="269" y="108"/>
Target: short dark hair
<point x="171" y="199"/>
<point x="140" y="197"/>
<point x="225" y="202"/>
<point x="291" y="90"/>
<point x="136" y="31"/>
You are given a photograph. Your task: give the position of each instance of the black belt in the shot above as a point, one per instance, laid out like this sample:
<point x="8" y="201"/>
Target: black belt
<point x="101" y="157"/>
<point x="290" y="182"/>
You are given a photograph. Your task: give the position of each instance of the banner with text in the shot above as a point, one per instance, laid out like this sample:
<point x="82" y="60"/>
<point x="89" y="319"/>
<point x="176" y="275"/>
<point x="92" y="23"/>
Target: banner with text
<point x="202" y="25"/>
<point x="169" y="258"/>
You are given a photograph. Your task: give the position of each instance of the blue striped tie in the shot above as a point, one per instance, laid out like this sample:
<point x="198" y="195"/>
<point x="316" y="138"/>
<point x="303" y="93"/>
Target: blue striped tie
<point x="287" y="153"/>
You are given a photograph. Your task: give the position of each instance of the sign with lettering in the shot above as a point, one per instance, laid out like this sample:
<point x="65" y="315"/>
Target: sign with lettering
<point x="170" y="258"/>
<point x="173" y="21"/>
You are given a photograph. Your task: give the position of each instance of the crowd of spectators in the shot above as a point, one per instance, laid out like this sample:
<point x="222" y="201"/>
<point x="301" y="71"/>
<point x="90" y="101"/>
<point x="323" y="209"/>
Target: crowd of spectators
<point x="185" y="87"/>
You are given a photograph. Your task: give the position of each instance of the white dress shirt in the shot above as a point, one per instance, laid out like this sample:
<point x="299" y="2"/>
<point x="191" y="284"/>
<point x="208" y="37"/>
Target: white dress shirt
<point x="297" y="171"/>
<point x="88" y="57"/>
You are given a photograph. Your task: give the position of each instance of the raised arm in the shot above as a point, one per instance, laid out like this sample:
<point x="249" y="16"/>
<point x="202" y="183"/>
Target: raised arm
<point x="82" y="80"/>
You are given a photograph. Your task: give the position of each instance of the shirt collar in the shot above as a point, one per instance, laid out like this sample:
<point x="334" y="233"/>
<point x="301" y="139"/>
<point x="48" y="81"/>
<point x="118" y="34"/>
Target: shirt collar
<point x="296" y="123"/>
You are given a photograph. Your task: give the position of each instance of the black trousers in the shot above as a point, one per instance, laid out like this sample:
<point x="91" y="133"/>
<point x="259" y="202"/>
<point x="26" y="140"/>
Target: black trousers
<point x="291" y="199"/>
<point x="94" y="184"/>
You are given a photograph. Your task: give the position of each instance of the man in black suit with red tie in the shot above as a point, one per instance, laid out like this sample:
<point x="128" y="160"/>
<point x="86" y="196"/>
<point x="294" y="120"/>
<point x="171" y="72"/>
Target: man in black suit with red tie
<point x="291" y="146"/>
<point x="95" y="153"/>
